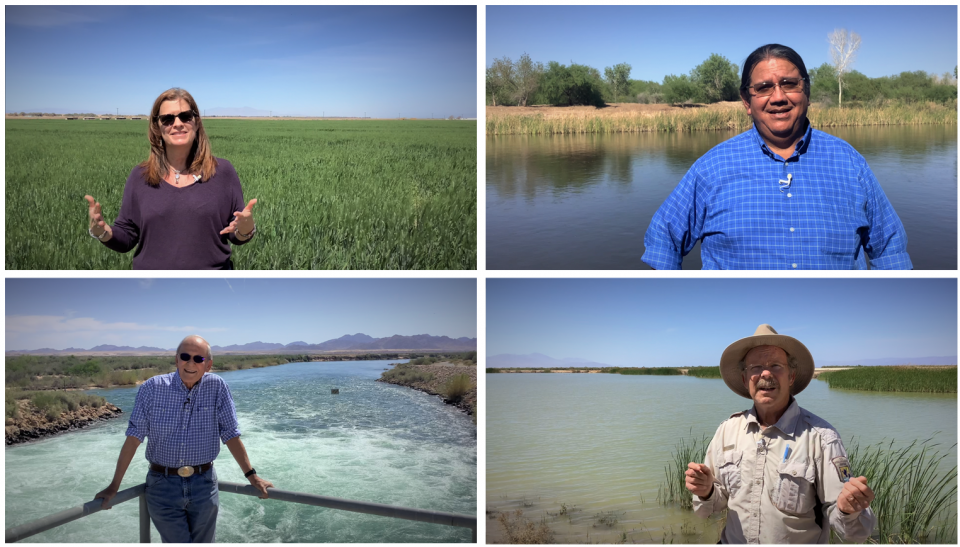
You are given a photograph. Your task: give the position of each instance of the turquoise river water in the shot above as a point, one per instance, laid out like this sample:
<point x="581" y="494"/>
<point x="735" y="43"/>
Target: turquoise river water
<point x="373" y="442"/>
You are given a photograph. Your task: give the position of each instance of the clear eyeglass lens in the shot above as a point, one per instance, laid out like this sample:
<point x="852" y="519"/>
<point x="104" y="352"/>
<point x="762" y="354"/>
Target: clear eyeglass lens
<point x="788" y="85"/>
<point x="758" y="370"/>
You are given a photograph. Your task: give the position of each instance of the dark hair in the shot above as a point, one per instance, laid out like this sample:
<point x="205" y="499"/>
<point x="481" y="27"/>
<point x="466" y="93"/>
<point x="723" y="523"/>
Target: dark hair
<point x="199" y="159"/>
<point x="780" y="52"/>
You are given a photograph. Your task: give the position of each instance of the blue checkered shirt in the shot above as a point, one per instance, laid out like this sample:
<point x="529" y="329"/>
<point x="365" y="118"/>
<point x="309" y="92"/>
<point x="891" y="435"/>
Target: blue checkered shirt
<point x="183" y="427"/>
<point x="736" y="200"/>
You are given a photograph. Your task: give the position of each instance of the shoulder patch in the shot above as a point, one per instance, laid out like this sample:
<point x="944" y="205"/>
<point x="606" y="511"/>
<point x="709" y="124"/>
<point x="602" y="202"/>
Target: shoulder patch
<point x="826" y="431"/>
<point x="842" y="465"/>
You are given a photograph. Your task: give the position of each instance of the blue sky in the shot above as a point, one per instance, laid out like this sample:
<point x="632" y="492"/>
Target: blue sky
<point x="62" y="313"/>
<point x="661" y="40"/>
<point x="689" y="322"/>
<point x="386" y="61"/>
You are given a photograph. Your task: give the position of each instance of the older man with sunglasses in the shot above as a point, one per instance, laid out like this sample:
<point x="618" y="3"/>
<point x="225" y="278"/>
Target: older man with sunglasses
<point x="781" y="195"/>
<point x="780" y="471"/>
<point x="184" y="415"/>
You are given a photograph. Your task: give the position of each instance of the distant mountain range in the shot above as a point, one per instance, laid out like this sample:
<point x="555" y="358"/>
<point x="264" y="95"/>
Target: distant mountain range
<point x="349" y="342"/>
<point x="537" y="360"/>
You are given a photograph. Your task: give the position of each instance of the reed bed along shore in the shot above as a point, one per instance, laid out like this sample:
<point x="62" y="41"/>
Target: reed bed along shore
<point x="916" y="497"/>
<point x="898" y="378"/>
<point x="644" y="371"/>
<point x="704" y="372"/>
<point x="558" y="121"/>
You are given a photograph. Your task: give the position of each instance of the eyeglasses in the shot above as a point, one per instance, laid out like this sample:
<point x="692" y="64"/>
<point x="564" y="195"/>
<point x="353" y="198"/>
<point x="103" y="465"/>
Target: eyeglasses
<point x="787" y="85"/>
<point x="186" y="117"/>
<point x="196" y="358"/>
<point x="757" y="370"/>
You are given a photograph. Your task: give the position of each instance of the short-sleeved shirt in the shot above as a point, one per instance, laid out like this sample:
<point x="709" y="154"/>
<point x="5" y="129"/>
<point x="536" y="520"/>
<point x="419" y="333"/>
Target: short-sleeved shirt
<point x="179" y="228"/>
<point x="821" y="208"/>
<point x="780" y="484"/>
<point x="183" y="427"/>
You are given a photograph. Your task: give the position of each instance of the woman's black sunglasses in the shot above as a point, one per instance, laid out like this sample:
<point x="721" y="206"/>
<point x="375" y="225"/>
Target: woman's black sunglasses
<point x="186" y="117"/>
<point x="196" y="358"/>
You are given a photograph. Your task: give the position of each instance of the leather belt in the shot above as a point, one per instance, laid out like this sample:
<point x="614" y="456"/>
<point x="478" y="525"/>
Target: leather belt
<point x="185" y="471"/>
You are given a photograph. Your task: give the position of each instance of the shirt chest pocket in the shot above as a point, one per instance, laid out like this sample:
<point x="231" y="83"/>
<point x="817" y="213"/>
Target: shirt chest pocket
<point x="796" y="491"/>
<point x="163" y="421"/>
<point x="729" y="471"/>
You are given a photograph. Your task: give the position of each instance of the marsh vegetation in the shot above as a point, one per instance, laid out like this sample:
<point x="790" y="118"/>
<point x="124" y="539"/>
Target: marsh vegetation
<point x="919" y="379"/>
<point x="732" y="116"/>
<point x="915" y="495"/>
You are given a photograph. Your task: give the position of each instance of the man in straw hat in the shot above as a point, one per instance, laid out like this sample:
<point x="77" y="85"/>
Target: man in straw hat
<point x="780" y="471"/>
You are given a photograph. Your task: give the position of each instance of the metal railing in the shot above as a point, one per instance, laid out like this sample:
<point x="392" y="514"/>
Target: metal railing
<point x="17" y="533"/>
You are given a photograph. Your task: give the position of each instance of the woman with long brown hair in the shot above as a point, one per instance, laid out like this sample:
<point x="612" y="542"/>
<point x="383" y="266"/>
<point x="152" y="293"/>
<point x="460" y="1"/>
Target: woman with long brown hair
<point x="181" y="207"/>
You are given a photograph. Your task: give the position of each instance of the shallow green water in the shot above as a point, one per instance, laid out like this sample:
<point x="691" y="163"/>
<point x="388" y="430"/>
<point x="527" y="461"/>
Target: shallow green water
<point x="599" y="443"/>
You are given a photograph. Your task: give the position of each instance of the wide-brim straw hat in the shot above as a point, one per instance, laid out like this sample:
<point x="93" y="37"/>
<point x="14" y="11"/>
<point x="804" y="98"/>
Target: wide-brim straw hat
<point x="765" y="336"/>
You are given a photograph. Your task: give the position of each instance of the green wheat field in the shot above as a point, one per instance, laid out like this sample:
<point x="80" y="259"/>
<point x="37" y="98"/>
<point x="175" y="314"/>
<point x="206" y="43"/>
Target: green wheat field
<point x="368" y="195"/>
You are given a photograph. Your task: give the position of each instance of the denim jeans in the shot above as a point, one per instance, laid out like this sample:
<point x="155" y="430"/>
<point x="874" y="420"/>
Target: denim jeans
<point x="184" y="510"/>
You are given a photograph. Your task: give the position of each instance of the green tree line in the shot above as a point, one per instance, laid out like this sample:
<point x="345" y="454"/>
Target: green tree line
<point x="523" y="82"/>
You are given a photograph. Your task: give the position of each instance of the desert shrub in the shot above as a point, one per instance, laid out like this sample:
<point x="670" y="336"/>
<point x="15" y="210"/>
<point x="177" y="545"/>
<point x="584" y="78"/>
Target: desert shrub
<point x="49" y="403"/>
<point x="11" y="408"/>
<point x="407" y="374"/>
<point x="457" y="386"/>
<point x="90" y="368"/>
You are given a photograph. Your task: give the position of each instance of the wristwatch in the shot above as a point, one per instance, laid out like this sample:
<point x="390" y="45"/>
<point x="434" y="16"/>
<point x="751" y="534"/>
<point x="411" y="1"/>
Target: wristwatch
<point x="248" y="473"/>
<point x="101" y="236"/>
<point x="247" y="236"/>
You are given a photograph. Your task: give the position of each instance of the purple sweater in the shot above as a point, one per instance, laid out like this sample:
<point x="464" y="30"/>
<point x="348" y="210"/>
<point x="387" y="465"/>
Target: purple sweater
<point x="178" y="228"/>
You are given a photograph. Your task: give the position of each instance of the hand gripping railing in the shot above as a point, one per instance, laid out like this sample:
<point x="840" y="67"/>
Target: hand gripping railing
<point x="422" y="515"/>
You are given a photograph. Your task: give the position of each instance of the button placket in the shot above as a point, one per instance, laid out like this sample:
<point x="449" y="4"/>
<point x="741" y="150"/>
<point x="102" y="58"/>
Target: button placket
<point x="754" y="535"/>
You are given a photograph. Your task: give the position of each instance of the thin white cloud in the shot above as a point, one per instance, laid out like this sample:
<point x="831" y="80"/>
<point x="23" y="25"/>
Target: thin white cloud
<point x="44" y="16"/>
<point x="147" y="283"/>
<point x="231" y="287"/>
<point x="43" y="324"/>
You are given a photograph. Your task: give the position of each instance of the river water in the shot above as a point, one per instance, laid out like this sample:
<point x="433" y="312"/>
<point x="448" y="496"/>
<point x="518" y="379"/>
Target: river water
<point x="373" y="442"/>
<point x="598" y="444"/>
<point x="583" y="202"/>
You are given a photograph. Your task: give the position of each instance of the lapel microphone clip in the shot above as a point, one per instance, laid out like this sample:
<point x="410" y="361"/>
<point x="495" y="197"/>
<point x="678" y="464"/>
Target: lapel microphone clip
<point x="784" y="184"/>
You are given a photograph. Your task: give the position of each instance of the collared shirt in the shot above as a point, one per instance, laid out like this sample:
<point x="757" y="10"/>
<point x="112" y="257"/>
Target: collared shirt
<point x="776" y="495"/>
<point x="183" y="427"/>
<point x="753" y="210"/>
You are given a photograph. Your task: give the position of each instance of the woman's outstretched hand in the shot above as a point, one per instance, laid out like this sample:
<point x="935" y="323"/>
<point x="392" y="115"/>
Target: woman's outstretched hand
<point x="242" y="222"/>
<point x="97" y="224"/>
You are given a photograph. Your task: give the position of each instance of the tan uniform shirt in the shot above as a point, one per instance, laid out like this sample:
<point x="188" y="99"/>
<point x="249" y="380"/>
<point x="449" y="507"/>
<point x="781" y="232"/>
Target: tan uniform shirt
<point x="776" y="495"/>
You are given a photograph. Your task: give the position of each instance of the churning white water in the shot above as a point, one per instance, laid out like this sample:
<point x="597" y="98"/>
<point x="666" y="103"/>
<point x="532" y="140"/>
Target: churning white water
<point x="373" y="442"/>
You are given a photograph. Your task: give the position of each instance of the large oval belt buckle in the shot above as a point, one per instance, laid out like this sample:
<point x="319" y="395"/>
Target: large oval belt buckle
<point x="185" y="471"/>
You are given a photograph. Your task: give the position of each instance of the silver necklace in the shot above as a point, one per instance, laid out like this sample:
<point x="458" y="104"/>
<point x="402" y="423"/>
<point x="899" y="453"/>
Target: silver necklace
<point x="176" y="176"/>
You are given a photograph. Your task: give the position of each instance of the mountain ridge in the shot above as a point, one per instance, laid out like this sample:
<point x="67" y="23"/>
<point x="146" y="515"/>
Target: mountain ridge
<point x="347" y="342"/>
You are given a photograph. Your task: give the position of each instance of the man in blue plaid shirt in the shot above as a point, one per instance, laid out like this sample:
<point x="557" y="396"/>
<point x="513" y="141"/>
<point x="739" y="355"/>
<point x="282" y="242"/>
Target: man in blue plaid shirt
<point x="780" y="196"/>
<point x="184" y="415"/>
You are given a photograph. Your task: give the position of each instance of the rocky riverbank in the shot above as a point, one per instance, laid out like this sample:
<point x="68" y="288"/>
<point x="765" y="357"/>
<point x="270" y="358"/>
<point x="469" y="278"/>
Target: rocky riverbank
<point x="32" y="424"/>
<point x="433" y="379"/>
